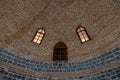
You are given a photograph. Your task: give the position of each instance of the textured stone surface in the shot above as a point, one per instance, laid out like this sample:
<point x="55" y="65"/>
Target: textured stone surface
<point x="109" y="74"/>
<point x="108" y="57"/>
<point x="12" y="75"/>
<point x="19" y="20"/>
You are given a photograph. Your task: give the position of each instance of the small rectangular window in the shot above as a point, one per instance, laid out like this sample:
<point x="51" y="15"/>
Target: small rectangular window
<point x="39" y="36"/>
<point x="82" y="33"/>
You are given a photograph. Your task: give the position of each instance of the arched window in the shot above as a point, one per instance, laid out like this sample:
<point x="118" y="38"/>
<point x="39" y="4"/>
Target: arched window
<point x="82" y="34"/>
<point x="60" y="52"/>
<point x="40" y="33"/>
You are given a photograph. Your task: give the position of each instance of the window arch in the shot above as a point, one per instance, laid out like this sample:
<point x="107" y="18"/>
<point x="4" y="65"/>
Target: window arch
<point x="82" y="34"/>
<point x="60" y="52"/>
<point x="40" y="33"/>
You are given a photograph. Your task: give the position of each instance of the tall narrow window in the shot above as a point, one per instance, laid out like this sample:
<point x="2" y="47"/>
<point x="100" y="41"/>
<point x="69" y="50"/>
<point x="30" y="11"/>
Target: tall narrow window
<point x="82" y="33"/>
<point x="60" y="52"/>
<point x="39" y="36"/>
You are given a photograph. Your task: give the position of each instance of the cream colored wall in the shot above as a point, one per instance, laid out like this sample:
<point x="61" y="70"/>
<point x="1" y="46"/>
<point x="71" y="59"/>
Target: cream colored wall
<point x="21" y="18"/>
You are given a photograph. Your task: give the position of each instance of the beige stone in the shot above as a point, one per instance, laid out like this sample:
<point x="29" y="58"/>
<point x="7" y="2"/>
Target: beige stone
<point x="19" y="20"/>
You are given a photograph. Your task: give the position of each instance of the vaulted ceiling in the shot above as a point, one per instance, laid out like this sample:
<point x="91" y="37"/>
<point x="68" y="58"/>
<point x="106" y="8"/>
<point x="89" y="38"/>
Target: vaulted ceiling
<point x="19" y="20"/>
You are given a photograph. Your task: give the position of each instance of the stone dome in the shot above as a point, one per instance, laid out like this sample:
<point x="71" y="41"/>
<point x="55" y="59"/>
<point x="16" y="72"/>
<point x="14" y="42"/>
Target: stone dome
<point x="19" y="20"/>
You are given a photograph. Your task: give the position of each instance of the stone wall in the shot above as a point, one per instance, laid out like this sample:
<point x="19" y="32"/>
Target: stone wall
<point x="108" y="57"/>
<point x="12" y="75"/>
<point x="19" y="20"/>
<point x="110" y="74"/>
<point x="88" y="69"/>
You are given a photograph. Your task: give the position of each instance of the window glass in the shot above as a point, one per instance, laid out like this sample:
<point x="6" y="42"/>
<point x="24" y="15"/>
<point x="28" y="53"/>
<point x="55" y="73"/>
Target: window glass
<point x="82" y="33"/>
<point x="39" y="36"/>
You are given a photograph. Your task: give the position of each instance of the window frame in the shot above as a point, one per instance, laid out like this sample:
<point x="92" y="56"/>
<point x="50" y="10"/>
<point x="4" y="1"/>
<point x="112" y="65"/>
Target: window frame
<point x="81" y="31"/>
<point x="65" y="56"/>
<point x="37" y="31"/>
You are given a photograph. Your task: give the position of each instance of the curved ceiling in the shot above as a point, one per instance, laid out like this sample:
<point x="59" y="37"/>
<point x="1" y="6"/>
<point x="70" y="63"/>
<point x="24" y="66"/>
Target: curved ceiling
<point x="19" y="20"/>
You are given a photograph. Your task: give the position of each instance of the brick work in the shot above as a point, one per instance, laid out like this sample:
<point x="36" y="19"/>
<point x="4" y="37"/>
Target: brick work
<point x="92" y="63"/>
<point x="19" y="20"/>
<point x="59" y="18"/>
<point x="110" y="74"/>
<point x="12" y="75"/>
